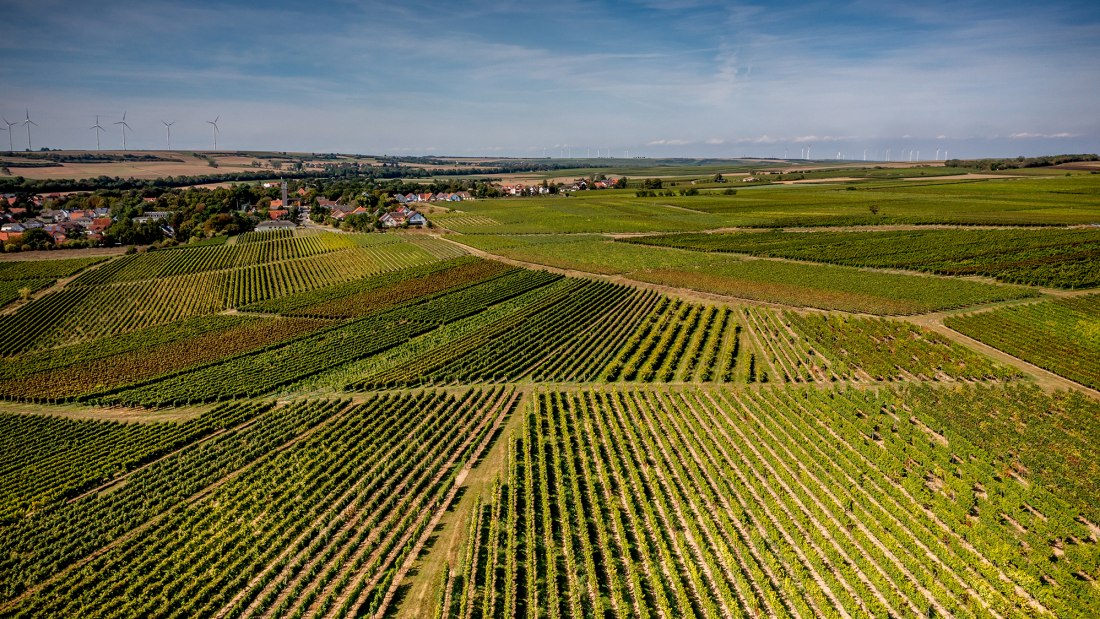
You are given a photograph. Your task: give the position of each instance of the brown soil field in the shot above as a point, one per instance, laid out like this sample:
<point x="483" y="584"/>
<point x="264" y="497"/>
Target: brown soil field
<point x="137" y="169"/>
<point x="1080" y="165"/>
<point x="62" y="254"/>
<point x="957" y="176"/>
<point x="808" y="181"/>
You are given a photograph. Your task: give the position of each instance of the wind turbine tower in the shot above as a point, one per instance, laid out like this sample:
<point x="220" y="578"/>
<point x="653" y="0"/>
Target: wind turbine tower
<point x="27" y="123"/>
<point x="124" y="128"/>
<point x="98" y="128"/>
<point x="215" y="131"/>
<point x="11" y="149"/>
<point x="168" y="126"/>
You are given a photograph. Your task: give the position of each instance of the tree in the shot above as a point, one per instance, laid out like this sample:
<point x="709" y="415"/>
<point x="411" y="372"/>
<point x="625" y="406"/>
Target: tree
<point x="358" y="223"/>
<point x="620" y="183"/>
<point x="37" y="238"/>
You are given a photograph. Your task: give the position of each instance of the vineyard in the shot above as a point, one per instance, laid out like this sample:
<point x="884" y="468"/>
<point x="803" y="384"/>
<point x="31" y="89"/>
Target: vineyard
<point x="1062" y="258"/>
<point x="729" y="503"/>
<point x="353" y="492"/>
<point x="134" y="292"/>
<point x="304" y="424"/>
<point x="796" y="284"/>
<point x="1062" y="336"/>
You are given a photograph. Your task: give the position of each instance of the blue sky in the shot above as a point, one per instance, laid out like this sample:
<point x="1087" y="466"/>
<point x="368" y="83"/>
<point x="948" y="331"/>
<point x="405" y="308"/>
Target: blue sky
<point x="491" y="77"/>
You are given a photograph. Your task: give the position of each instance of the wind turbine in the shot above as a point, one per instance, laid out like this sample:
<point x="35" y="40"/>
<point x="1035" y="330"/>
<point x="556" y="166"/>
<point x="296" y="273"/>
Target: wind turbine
<point x="124" y="128"/>
<point x="27" y="123"/>
<point x="11" y="149"/>
<point x="168" y="126"/>
<point x="97" y="128"/>
<point x="214" y="124"/>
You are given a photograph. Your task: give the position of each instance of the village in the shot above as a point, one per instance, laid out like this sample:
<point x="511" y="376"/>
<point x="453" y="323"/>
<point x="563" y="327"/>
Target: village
<point x="62" y="227"/>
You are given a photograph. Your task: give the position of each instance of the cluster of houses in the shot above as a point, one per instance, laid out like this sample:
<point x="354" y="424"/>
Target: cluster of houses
<point x="400" y="217"/>
<point x="519" y="189"/>
<point x="60" y="224"/>
<point x="539" y="189"/>
<point x="411" y="198"/>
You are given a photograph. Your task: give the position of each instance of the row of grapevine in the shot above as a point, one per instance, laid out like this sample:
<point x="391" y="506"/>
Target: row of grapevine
<point x="1062" y="336"/>
<point x="596" y="330"/>
<point x="677" y="342"/>
<point x="189" y="260"/>
<point x="43" y="361"/>
<point x="77" y="380"/>
<point x="261" y="372"/>
<point x="322" y="527"/>
<point x="23" y="328"/>
<point x="47" y="458"/>
<point x="773" y="502"/>
<point x="408" y="289"/>
<point x="12" y="289"/>
<point x="263" y="236"/>
<point x="439" y="248"/>
<point x="294" y="303"/>
<point x="823" y="348"/>
<point x="283" y="364"/>
<point x="1064" y="258"/>
<point x="46" y="269"/>
<point x="86" y="312"/>
<point x="121" y="308"/>
<point x="61" y="534"/>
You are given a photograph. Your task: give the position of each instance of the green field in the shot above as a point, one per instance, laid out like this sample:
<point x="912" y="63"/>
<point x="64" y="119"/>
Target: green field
<point x="527" y="416"/>
<point x="1062" y="336"/>
<point x="1002" y="201"/>
<point x="806" y="285"/>
<point x="1061" y="258"/>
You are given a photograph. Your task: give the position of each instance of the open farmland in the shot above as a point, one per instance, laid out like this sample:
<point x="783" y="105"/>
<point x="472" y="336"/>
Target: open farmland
<point x="789" y="283"/>
<point x="537" y="414"/>
<point x="1056" y="201"/>
<point x="1063" y="258"/>
<point x="1061" y="335"/>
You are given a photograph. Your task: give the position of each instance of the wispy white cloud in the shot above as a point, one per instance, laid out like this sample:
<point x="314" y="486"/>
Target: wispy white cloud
<point x="425" y="72"/>
<point x="1023" y="135"/>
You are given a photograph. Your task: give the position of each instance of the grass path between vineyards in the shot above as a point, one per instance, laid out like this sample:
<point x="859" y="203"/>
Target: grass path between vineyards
<point x="932" y="320"/>
<point x="415" y="597"/>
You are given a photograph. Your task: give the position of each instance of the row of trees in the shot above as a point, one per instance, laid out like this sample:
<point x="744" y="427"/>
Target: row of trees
<point x="1019" y="162"/>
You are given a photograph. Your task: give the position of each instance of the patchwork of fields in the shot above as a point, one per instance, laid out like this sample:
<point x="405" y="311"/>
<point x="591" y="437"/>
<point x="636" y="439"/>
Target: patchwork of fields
<point x="684" y="424"/>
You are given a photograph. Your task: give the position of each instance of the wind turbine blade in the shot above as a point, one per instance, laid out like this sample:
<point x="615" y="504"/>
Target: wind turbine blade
<point x="217" y="118"/>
